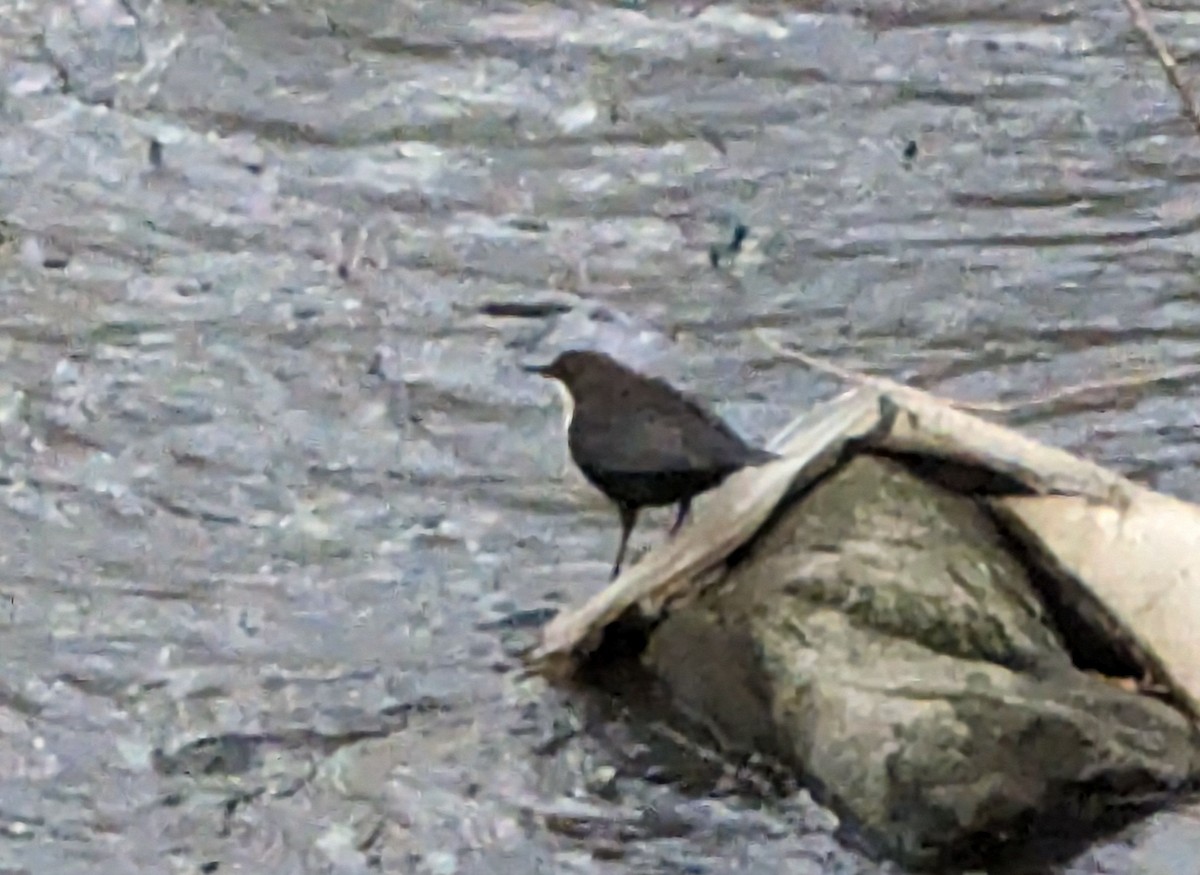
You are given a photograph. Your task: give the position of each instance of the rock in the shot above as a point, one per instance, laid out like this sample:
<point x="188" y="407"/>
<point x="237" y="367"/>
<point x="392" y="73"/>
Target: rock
<point x="885" y="639"/>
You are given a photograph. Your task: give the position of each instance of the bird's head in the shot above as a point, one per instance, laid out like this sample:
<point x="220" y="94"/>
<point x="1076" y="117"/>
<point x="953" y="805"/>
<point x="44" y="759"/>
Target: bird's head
<point x="578" y="369"/>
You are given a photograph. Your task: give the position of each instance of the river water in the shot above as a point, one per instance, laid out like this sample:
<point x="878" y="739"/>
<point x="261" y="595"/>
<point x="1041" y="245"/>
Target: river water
<point x="279" y="505"/>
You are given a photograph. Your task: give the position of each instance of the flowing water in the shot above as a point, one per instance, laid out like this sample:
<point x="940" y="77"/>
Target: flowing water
<point x="278" y="503"/>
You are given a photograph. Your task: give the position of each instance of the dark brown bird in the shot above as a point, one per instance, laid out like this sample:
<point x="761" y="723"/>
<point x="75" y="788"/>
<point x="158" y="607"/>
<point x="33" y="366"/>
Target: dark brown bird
<point x="640" y="441"/>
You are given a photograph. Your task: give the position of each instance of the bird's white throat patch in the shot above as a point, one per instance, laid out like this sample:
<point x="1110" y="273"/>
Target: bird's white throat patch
<point x="568" y="405"/>
<point x="584" y="492"/>
<point x="568" y="411"/>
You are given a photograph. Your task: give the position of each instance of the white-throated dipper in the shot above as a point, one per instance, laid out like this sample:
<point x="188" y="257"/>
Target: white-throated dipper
<point x="642" y="442"/>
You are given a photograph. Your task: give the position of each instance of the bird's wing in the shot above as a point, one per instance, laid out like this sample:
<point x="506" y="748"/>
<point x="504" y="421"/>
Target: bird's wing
<point x="708" y="436"/>
<point x="676" y="435"/>
<point x="720" y="443"/>
<point x="629" y="444"/>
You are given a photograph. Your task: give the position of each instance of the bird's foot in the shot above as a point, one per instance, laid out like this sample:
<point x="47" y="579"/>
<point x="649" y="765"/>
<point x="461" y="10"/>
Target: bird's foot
<point x="634" y="557"/>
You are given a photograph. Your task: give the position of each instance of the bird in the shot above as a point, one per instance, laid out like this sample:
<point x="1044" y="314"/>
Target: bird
<point x="641" y="441"/>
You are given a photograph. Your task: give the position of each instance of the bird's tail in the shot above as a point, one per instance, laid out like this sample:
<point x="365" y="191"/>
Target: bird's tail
<point x="761" y="457"/>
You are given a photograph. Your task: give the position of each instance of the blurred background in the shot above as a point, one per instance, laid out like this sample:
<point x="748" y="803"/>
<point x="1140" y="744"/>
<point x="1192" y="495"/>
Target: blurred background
<point x="278" y="505"/>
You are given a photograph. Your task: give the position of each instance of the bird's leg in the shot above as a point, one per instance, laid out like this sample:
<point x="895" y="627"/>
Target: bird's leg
<point x="680" y="516"/>
<point x="629" y="515"/>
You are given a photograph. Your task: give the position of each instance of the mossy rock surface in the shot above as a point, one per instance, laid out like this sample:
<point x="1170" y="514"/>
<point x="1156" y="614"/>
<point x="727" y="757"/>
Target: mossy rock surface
<point x="884" y="638"/>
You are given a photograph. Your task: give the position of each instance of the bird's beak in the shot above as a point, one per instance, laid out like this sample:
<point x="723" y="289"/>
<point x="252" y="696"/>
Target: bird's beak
<point x="540" y="370"/>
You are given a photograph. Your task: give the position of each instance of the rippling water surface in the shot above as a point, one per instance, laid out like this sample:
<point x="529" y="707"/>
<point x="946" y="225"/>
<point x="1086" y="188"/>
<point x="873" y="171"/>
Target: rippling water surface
<point x="278" y="503"/>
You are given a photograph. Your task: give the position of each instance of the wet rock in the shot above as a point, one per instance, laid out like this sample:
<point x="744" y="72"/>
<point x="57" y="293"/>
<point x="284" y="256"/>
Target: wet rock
<point x="883" y="639"/>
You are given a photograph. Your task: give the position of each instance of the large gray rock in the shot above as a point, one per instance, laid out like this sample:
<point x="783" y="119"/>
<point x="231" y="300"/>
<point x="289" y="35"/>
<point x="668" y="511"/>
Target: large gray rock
<point x="883" y="637"/>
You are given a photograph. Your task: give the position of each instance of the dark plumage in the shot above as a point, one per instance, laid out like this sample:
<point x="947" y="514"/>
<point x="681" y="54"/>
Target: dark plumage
<point x="640" y="441"/>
